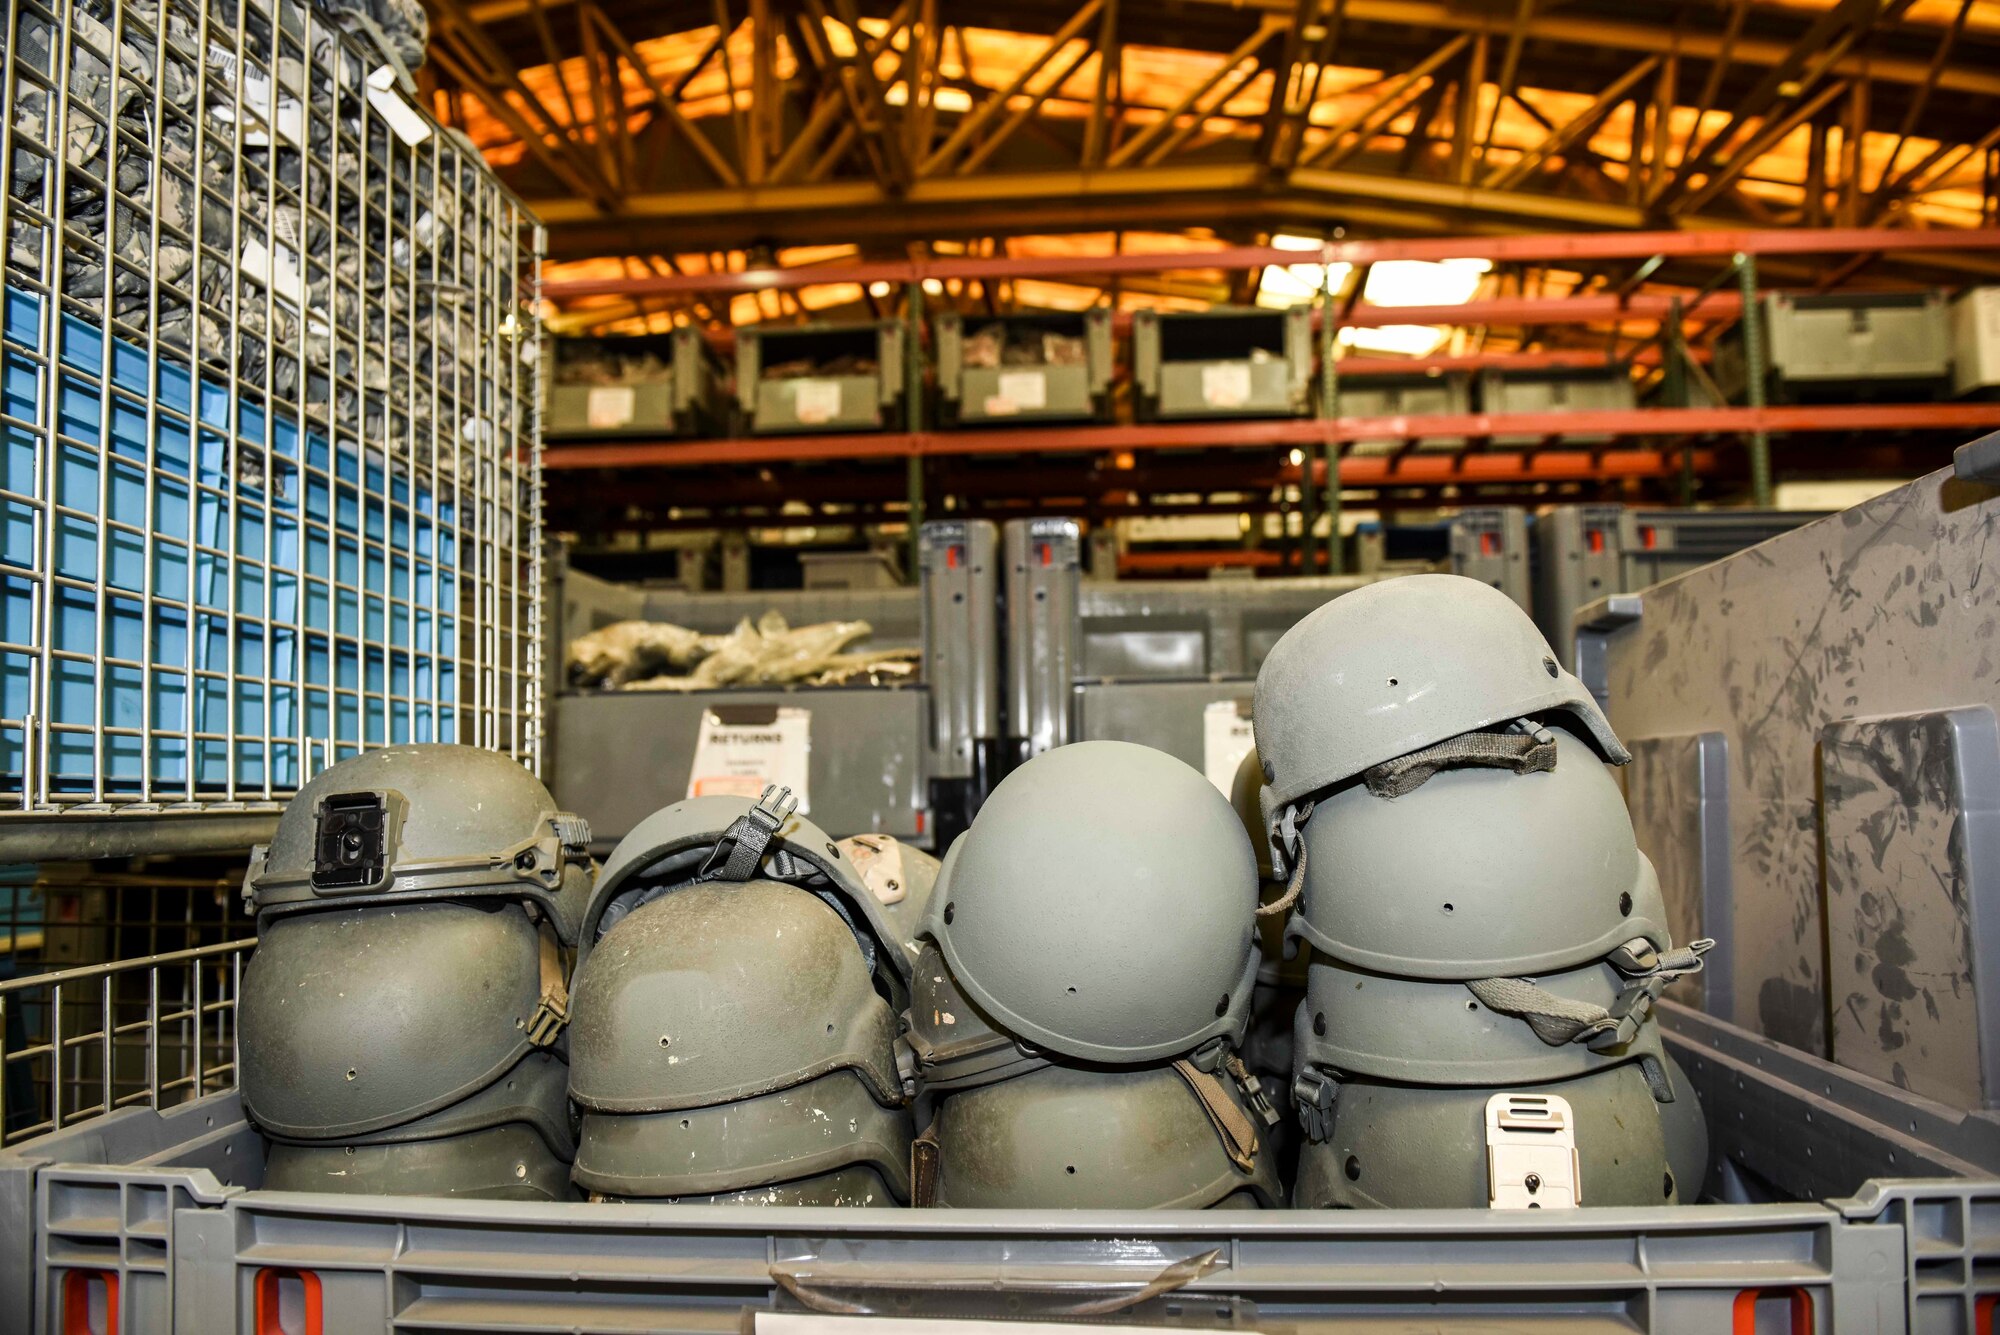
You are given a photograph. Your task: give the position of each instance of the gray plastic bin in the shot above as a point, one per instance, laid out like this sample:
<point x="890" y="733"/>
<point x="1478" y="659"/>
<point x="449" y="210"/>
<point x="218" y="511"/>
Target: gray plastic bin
<point x="676" y="394"/>
<point x="1490" y="544"/>
<point x="1840" y="1203"/>
<point x="1227" y="362"/>
<point x="1839" y="345"/>
<point x="820" y="377"/>
<point x="1446" y="394"/>
<point x="1556" y="391"/>
<point x="1020" y="376"/>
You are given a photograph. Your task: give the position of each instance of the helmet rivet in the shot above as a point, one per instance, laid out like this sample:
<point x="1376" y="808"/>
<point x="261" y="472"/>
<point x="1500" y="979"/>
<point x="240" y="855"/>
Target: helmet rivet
<point x="1625" y="904"/>
<point x="1533" y="1182"/>
<point x="525" y="860"/>
<point x="950" y="912"/>
<point x="1353" y="1169"/>
<point x="1319" y="1023"/>
<point x="1549" y="666"/>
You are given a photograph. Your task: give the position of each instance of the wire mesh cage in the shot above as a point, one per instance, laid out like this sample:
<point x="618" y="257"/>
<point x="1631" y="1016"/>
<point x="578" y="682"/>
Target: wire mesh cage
<point x="269" y="481"/>
<point x="153" y="1031"/>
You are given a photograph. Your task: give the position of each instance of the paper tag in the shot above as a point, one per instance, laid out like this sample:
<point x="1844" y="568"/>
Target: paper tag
<point x="277" y="270"/>
<point x="1225" y="740"/>
<point x="610" y="405"/>
<point x="742" y="759"/>
<point x="815" y="401"/>
<point x="1225" y="384"/>
<point x="1028" y="391"/>
<point x="410" y="127"/>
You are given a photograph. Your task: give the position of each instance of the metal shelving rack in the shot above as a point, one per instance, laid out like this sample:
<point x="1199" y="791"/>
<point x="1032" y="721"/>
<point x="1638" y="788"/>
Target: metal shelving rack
<point x="1656" y="442"/>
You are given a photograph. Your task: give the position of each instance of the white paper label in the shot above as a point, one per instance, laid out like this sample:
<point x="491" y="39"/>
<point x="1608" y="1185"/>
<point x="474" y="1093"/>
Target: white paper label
<point x="742" y="759"/>
<point x="1028" y="391"/>
<point x="410" y="127"/>
<point x="610" y="405"/>
<point x="1226" y="384"/>
<point x="1225" y="740"/>
<point x="815" y="401"/>
<point x="277" y="270"/>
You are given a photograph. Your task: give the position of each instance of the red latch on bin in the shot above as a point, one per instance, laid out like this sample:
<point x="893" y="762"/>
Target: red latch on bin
<point x="289" y="1303"/>
<point x="1795" y="1302"/>
<point x="90" y="1302"/>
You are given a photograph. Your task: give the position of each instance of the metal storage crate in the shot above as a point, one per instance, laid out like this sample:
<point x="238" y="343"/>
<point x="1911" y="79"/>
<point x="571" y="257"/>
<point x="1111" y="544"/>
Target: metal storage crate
<point x="1975" y="341"/>
<point x="1816" y="770"/>
<point x="268" y="479"/>
<point x="894" y="758"/>
<point x="820" y="377"/>
<point x="1503" y="392"/>
<point x="1447" y="394"/>
<point x="1036" y="386"/>
<point x="1490" y="544"/>
<point x="665" y="385"/>
<point x="1166" y="663"/>
<point x="1838" y="1203"/>
<point x="1227" y="362"/>
<point x="1840" y="345"/>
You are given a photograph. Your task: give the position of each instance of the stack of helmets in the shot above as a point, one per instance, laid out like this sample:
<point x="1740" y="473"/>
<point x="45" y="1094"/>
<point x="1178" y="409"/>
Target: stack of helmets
<point x="1486" y="938"/>
<point x="1082" y="990"/>
<point x="734" y="1019"/>
<point x="401" y="1023"/>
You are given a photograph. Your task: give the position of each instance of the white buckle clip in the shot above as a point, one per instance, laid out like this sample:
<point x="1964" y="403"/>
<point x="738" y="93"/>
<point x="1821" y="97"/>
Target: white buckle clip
<point x="1531" y="1159"/>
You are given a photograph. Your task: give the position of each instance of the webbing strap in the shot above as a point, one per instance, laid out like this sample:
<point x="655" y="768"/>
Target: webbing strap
<point x="926" y="1160"/>
<point x="752" y="833"/>
<point x="1559" y="1020"/>
<point x="1525" y="748"/>
<point x="552" y="1006"/>
<point x="1233" y="1126"/>
<point x="1290" y="847"/>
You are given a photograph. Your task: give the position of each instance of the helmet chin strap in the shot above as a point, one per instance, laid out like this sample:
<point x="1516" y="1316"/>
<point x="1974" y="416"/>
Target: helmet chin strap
<point x="1559" y="1020"/>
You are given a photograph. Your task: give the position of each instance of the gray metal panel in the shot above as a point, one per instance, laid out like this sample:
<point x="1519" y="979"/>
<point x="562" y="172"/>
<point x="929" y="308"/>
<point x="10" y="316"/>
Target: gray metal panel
<point x="1490" y="544"/>
<point x="1678" y="790"/>
<point x="1405" y="396"/>
<point x="1042" y="559"/>
<point x="1193" y="628"/>
<point x="1579" y="551"/>
<point x="774" y="406"/>
<point x="1888" y="608"/>
<point x="1911" y="823"/>
<point x="1185" y="390"/>
<point x="1660" y="544"/>
<point x="961" y="594"/>
<point x="652" y="411"/>
<point x="622" y="755"/>
<point x="1165" y="715"/>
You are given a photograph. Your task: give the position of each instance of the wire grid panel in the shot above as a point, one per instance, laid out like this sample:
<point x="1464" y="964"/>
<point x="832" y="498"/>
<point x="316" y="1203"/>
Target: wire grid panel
<point x="269" y="482"/>
<point x="150" y="1032"/>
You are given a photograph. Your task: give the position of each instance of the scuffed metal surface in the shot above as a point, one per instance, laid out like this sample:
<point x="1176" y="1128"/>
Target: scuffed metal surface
<point x="1887" y="608"/>
<point x="1899" y="884"/>
<point x="1663" y="790"/>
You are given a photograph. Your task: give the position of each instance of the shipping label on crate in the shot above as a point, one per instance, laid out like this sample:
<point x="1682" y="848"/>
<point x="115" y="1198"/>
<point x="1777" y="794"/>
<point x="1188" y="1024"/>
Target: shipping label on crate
<point x="1225" y="740"/>
<point x="1019" y="392"/>
<point x="816" y="401"/>
<point x="1226" y="384"/>
<point x="742" y="749"/>
<point x="610" y="406"/>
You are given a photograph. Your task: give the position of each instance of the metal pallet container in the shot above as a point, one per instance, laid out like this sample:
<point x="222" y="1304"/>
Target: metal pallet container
<point x="1227" y="362"/>
<point x="1047" y="367"/>
<point x="820" y="377"/>
<point x="893" y="758"/>
<point x="269" y="488"/>
<point x="1490" y="544"/>
<point x="1446" y="394"/>
<point x="663" y="385"/>
<point x="1169" y="664"/>
<point x="1576" y="390"/>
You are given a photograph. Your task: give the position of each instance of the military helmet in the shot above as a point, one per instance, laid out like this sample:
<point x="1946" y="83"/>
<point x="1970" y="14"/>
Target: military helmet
<point x="510" y="1162"/>
<point x="1073" y="1138"/>
<point x="1275" y="973"/>
<point x="1687" y="1135"/>
<point x="1400" y="1146"/>
<point x="956" y="1045"/>
<point x="1401" y="665"/>
<point x="856" y="1186"/>
<point x="535" y="1094"/>
<point x="732" y="840"/>
<point x="356" y="1020"/>
<point x="724" y="991"/>
<point x="1245" y="796"/>
<point x="1102" y="906"/>
<point x="1479" y="872"/>
<point x="900" y="876"/>
<point x="405" y="824"/>
<point x="1419" y="1031"/>
<point x="801" y="1131"/>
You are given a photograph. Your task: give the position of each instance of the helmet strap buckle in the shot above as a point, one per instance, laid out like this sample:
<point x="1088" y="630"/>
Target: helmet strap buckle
<point x="750" y="834"/>
<point x="552" y="1006"/>
<point x="1314" y="1092"/>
